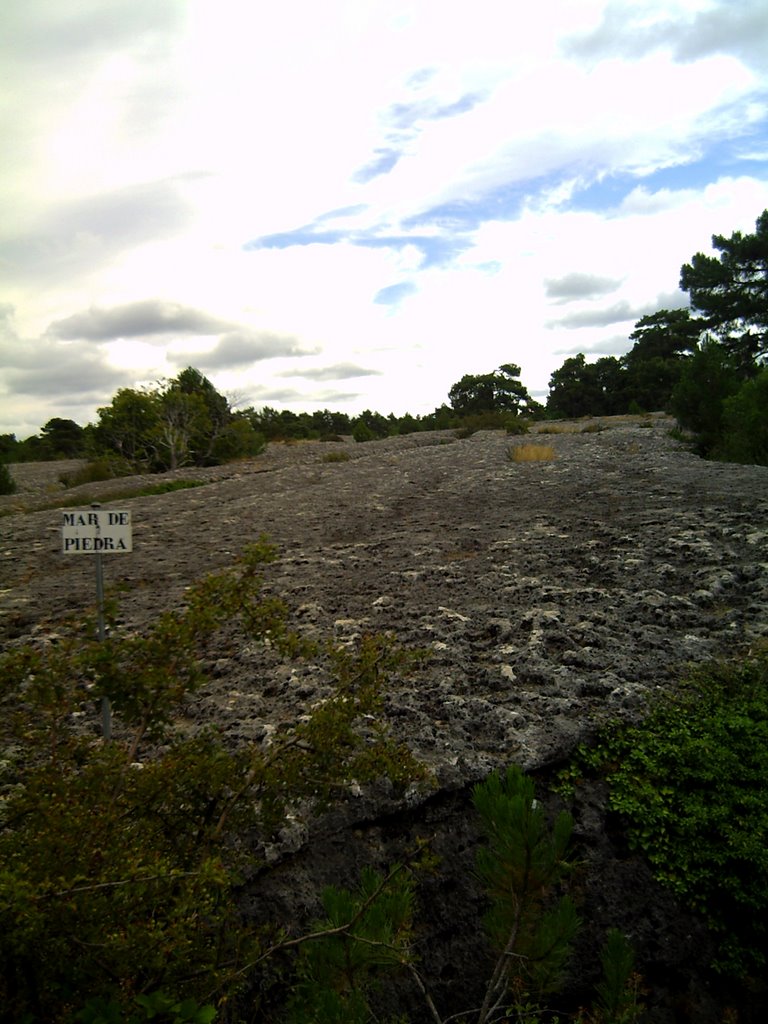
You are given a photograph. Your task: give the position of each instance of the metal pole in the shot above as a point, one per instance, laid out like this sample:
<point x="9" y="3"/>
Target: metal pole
<point x="106" y="708"/>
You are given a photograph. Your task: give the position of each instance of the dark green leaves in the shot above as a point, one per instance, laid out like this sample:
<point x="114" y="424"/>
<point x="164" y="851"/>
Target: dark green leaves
<point x="690" y="785"/>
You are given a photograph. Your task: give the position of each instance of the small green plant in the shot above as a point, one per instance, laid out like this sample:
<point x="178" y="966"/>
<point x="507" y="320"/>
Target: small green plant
<point x="618" y="993"/>
<point x="364" y="935"/>
<point x="518" y="425"/>
<point x="7" y="483"/>
<point x="336" y="457"/>
<point x="524" y="860"/>
<point x="509" y="422"/>
<point x="361" y="432"/>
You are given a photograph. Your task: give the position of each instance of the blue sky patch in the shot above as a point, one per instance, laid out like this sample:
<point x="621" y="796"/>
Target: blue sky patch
<point x="436" y="250"/>
<point x="393" y="293"/>
<point x="382" y="163"/>
<point x="746" y="156"/>
<point x="505" y="202"/>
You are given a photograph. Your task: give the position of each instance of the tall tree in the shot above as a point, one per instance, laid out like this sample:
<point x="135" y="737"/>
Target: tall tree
<point x="184" y="422"/>
<point x="128" y="426"/>
<point x="666" y="334"/>
<point x="501" y="391"/>
<point x="579" y="388"/>
<point x="731" y="293"/>
<point x="184" y="429"/>
<point x="662" y="342"/>
<point x="192" y="400"/>
<point x="63" y="438"/>
<point x="707" y="380"/>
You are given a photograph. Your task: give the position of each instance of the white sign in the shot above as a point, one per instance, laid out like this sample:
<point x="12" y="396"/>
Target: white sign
<point x="96" y="531"/>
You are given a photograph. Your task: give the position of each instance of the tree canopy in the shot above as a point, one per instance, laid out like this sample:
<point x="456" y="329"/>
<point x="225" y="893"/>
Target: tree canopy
<point x="730" y="291"/>
<point x="500" y="391"/>
<point x="579" y="388"/>
<point x="706" y="364"/>
<point x="183" y="422"/>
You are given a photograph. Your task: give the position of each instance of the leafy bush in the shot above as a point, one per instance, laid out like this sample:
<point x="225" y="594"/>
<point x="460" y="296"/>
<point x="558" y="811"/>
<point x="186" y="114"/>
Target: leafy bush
<point x="237" y="440"/>
<point x="120" y="860"/>
<point x="367" y="934"/>
<point x="708" y="378"/>
<point x="155" y="1006"/>
<point x="745" y="423"/>
<point x="517" y="425"/>
<point x="96" y="471"/>
<point x="531" y="929"/>
<point x="618" y="992"/>
<point x="510" y="422"/>
<point x="689" y="783"/>
<point x="361" y="432"/>
<point x="7" y="483"/>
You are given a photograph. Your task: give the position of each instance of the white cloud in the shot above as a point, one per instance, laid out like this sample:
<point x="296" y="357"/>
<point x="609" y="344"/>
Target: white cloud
<point x="468" y="188"/>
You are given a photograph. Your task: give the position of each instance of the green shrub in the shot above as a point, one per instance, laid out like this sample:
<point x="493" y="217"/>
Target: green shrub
<point x="361" y="432"/>
<point x="7" y="483"/>
<point x="155" y="1006"/>
<point x="508" y="421"/>
<point x="96" y="471"/>
<point x="238" y="440"/>
<point x="745" y="423"/>
<point x="517" y="425"/>
<point x="618" y="992"/>
<point x="367" y="934"/>
<point x="336" y="457"/>
<point x="689" y="784"/>
<point x="120" y="860"/>
<point x="707" y="378"/>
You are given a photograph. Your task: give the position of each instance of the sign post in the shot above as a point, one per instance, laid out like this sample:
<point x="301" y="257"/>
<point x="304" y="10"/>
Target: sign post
<point x="97" y="531"/>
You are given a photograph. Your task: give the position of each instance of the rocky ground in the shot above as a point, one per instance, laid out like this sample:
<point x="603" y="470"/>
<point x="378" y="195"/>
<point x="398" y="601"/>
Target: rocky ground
<point x="555" y="595"/>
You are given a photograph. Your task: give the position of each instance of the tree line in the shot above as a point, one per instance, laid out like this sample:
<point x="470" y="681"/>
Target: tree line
<point x="705" y="364"/>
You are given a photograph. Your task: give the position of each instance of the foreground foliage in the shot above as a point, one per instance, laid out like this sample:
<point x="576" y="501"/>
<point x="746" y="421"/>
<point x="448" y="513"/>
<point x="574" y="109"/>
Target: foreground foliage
<point x="370" y="933"/>
<point x="7" y="483"/>
<point x="121" y="861"/>
<point x="689" y="786"/>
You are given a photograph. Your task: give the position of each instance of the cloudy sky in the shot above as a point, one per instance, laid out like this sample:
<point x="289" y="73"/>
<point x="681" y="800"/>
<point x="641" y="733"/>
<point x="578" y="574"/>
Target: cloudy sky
<point x="351" y="204"/>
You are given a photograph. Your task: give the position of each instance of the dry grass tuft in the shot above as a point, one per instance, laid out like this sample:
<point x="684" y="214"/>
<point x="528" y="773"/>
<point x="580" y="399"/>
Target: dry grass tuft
<point x="571" y="427"/>
<point x="556" y="428"/>
<point x="531" y="453"/>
